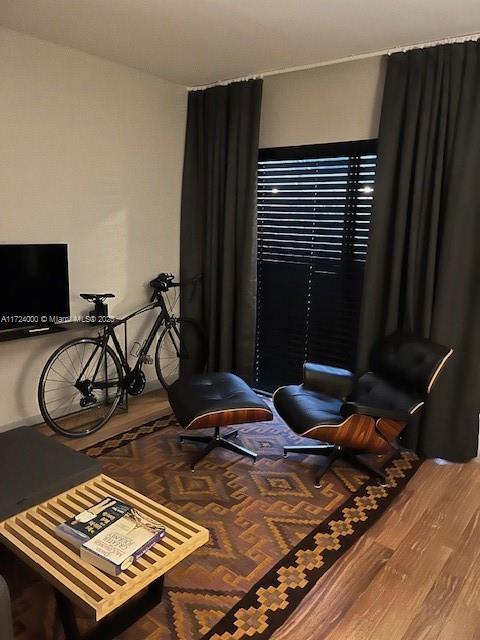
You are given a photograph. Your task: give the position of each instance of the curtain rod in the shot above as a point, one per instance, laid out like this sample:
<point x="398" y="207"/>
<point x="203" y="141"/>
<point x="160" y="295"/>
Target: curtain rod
<point x="360" y="56"/>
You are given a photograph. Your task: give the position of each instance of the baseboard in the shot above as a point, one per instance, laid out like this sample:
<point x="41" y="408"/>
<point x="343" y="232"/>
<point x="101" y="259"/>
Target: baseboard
<point x="32" y="421"/>
<point x="26" y="422"/>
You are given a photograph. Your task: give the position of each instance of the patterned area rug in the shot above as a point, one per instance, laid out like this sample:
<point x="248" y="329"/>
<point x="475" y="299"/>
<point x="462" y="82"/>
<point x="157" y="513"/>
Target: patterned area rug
<point x="272" y="534"/>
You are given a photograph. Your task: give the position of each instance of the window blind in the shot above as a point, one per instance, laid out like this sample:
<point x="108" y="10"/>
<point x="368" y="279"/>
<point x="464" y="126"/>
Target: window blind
<point x="314" y="206"/>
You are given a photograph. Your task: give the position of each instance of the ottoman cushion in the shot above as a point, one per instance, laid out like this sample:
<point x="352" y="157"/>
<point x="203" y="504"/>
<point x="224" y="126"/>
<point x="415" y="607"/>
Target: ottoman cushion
<point x="215" y="399"/>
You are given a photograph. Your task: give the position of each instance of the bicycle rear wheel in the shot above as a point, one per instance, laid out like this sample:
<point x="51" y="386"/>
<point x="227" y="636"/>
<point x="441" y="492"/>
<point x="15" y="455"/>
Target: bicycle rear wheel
<point x="181" y="348"/>
<point x="80" y="387"/>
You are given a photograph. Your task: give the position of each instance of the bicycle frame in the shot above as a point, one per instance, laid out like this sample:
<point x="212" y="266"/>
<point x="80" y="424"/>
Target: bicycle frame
<point x="97" y="372"/>
<point x="108" y="332"/>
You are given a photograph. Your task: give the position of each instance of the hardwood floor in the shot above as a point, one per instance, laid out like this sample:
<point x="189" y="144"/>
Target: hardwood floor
<point x="141" y="409"/>
<point x="415" y="575"/>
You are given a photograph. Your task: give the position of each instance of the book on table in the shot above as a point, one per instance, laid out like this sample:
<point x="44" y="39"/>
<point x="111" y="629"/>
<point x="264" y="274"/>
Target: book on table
<point x="111" y="535"/>
<point x="91" y="521"/>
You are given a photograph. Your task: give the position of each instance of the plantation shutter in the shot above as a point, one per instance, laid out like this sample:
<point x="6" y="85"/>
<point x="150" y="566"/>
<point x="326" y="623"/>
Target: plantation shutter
<point x="314" y="208"/>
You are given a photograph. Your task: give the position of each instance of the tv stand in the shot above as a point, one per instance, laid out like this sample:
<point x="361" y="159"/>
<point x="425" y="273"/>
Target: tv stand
<point x="28" y="332"/>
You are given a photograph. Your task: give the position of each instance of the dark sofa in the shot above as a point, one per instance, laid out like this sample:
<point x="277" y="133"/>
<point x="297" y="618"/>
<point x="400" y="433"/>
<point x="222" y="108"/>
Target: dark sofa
<point x="6" y="629"/>
<point x="33" y="468"/>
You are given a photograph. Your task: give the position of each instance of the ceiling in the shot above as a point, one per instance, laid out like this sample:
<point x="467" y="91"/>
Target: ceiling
<point x="195" y="42"/>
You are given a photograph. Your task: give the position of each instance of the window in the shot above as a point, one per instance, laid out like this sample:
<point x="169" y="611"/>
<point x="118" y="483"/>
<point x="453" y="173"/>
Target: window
<point x="314" y="206"/>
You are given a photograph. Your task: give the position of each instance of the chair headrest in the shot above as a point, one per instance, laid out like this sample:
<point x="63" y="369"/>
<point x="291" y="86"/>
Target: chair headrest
<point x="409" y="360"/>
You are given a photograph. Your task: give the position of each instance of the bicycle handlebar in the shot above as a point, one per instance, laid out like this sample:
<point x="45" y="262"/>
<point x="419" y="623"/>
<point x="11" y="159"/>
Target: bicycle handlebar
<point x="164" y="281"/>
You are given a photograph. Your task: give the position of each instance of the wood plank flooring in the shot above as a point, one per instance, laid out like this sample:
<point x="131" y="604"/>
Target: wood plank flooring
<point x="415" y="575"/>
<point x="141" y="409"/>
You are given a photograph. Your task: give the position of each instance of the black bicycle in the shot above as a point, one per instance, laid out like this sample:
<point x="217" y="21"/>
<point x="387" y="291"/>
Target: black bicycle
<point x="84" y="380"/>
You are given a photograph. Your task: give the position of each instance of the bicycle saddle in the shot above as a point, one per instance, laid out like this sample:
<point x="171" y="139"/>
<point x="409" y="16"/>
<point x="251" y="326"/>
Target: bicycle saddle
<point x="96" y="296"/>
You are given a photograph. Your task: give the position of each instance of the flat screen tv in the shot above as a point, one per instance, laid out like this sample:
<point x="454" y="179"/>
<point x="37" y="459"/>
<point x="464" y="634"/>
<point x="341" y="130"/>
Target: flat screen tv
<point x="34" y="291"/>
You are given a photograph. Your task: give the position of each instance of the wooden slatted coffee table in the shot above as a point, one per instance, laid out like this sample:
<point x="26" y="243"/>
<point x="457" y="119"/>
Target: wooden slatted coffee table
<point x="31" y="535"/>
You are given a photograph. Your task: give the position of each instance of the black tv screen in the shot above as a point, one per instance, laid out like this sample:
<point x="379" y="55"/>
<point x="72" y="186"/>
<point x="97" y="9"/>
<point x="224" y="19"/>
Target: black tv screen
<point x="34" y="289"/>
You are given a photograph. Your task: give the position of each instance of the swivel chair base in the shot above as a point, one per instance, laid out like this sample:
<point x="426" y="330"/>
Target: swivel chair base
<point x="332" y="453"/>
<point x="217" y="441"/>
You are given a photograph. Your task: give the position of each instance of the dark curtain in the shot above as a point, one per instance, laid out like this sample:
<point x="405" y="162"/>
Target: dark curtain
<point x="423" y="268"/>
<point x="218" y="225"/>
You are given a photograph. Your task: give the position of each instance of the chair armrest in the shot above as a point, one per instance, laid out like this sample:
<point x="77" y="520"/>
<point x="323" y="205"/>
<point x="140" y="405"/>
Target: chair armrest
<point x="332" y="381"/>
<point x="351" y="408"/>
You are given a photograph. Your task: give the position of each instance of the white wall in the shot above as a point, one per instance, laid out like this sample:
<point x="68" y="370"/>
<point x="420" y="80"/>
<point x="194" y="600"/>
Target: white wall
<point x="91" y="154"/>
<point x="334" y="103"/>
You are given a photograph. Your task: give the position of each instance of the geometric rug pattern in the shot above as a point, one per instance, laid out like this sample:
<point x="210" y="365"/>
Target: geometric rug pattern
<point x="272" y="534"/>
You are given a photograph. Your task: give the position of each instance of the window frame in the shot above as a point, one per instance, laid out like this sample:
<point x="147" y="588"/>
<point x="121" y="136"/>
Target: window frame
<point x="310" y="152"/>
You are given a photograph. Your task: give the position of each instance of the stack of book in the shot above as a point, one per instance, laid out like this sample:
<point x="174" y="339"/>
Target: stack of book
<point x="111" y="534"/>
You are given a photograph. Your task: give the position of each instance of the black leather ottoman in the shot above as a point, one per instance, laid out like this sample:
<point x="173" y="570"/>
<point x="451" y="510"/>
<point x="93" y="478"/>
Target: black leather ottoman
<point x="214" y="400"/>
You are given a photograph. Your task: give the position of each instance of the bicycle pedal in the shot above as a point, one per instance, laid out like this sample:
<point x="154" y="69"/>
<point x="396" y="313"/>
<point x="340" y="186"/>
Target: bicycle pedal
<point x="147" y="360"/>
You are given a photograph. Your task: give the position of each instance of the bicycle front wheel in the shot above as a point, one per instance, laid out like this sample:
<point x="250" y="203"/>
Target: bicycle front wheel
<point x="80" y="387"/>
<point x="181" y="349"/>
